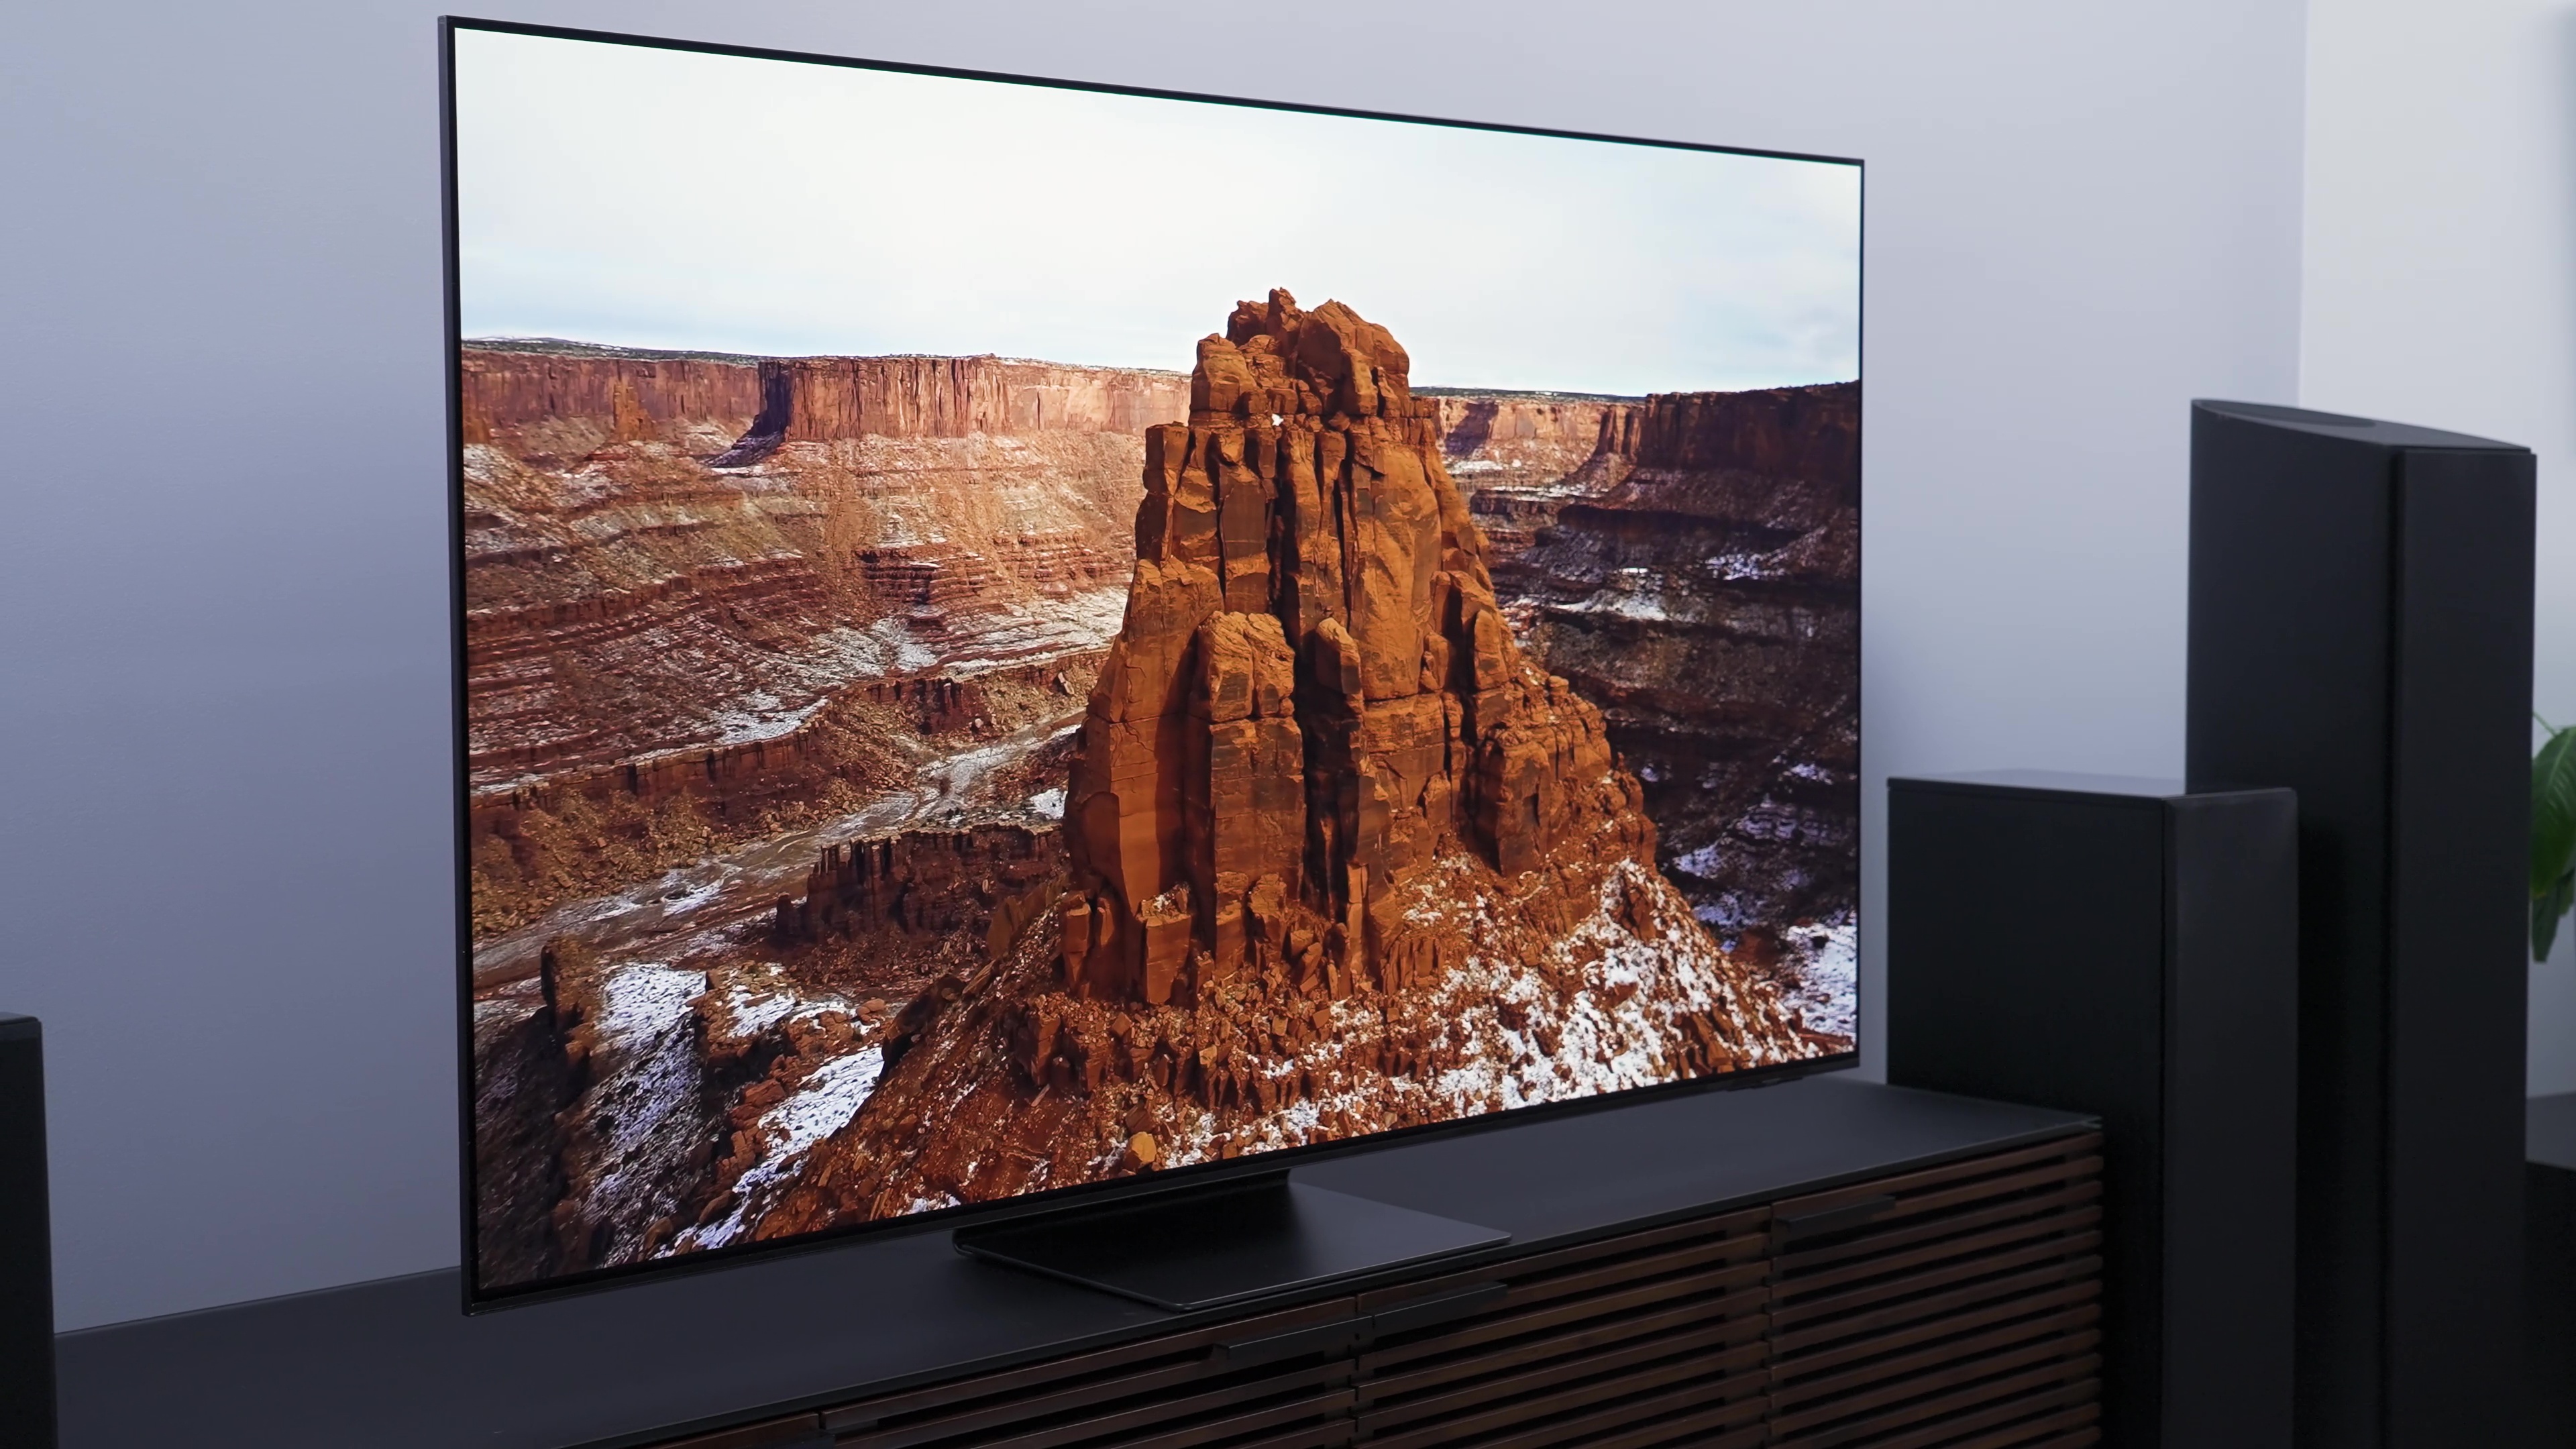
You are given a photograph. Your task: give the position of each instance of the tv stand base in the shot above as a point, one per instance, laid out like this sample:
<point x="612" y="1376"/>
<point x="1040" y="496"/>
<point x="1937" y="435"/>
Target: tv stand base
<point x="1194" y="1248"/>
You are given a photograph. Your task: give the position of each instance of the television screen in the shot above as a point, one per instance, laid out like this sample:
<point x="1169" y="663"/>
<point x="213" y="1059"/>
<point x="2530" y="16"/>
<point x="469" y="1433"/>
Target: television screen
<point x="1014" y="636"/>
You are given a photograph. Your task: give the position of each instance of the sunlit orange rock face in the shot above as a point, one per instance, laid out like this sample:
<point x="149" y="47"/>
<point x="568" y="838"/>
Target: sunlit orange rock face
<point x="1314" y="692"/>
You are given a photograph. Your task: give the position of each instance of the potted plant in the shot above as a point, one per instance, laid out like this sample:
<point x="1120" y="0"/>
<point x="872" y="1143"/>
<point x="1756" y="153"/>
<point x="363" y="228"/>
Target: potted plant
<point x="2553" y="834"/>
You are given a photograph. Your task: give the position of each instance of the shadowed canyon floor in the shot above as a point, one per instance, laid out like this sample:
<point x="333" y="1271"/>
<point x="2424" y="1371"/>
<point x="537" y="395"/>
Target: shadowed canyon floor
<point x="809" y="889"/>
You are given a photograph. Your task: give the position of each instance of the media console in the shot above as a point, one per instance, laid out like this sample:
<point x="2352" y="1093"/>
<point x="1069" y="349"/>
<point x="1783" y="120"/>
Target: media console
<point x="1821" y="1262"/>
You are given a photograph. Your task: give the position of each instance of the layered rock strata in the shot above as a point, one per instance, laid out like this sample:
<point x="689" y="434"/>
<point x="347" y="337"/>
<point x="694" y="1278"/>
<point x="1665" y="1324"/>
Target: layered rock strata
<point x="1699" y="577"/>
<point x="633" y="584"/>
<point x="508" y="386"/>
<point x="762" y="772"/>
<point x="1516" y="455"/>
<point x="675" y="627"/>
<point x="821" y="399"/>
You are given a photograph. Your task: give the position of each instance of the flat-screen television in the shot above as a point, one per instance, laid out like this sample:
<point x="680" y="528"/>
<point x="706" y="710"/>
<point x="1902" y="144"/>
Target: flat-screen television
<point x="1014" y="637"/>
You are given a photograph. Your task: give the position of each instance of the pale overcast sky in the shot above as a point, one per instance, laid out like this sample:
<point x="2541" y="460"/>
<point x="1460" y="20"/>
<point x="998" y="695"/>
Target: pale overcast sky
<point x="658" y="198"/>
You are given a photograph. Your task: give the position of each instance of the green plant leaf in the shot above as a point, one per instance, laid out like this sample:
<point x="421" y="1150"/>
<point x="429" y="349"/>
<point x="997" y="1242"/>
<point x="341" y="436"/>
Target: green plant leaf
<point x="2546" y="908"/>
<point x="2553" y="811"/>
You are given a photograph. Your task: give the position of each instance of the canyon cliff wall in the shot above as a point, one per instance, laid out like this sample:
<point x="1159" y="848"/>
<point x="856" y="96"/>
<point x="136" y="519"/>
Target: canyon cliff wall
<point x="1519" y="441"/>
<point x="517" y="385"/>
<point x="624" y="596"/>
<point x="1517" y="455"/>
<point x="922" y="883"/>
<point x="1793" y="435"/>
<point x="1699" y="575"/>
<point x="952" y="397"/>
<point x="690" y="573"/>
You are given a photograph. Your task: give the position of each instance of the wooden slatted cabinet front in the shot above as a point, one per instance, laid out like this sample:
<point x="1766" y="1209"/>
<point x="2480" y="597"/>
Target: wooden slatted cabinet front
<point x="1951" y="1307"/>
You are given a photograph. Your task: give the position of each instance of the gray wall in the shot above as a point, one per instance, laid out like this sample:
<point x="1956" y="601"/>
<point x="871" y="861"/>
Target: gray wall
<point x="224" y="875"/>
<point x="2441" y="200"/>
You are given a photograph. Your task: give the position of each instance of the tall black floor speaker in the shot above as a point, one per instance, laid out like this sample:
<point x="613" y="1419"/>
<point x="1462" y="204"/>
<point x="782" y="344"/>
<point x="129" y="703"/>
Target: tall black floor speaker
<point x="2360" y="631"/>
<point x="2123" y="948"/>
<point x="26" y="1252"/>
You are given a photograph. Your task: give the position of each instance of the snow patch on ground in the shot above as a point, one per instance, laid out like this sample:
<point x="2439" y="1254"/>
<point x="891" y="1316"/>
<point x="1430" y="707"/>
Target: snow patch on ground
<point x="897" y="639"/>
<point x="1049" y="803"/>
<point x="1827" y="958"/>
<point x="638" y="1002"/>
<point x="1629" y="593"/>
<point x="1618" y="1029"/>
<point x="1702" y="862"/>
<point x="1739" y="566"/>
<point x="759" y="716"/>
<point x="644" y="1107"/>
<point x="848" y="653"/>
<point x="821" y="1106"/>
<point x="681" y="895"/>
<point x="754" y="1013"/>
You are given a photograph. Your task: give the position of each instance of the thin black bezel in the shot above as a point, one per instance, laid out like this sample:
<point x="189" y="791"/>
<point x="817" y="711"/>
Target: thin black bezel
<point x="477" y="1297"/>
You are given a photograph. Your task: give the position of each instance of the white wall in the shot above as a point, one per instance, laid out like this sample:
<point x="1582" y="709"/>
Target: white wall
<point x="2440" y="282"/>
<point x="224" y="873"/>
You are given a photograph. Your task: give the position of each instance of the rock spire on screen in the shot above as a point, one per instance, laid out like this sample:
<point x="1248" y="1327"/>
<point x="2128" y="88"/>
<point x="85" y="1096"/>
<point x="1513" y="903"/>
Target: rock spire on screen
<point x="1314" y="694"/>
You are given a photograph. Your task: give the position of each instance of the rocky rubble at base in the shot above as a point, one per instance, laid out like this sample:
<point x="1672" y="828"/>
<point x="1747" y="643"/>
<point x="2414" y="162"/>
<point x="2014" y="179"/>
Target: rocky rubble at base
<point x="1022" y="1087"/>
<point x="679" y="1093"/>
<point x="651" y="1066"/>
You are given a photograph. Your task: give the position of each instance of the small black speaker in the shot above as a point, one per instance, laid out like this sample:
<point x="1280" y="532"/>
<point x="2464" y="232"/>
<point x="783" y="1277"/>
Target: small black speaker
<point x="26" y="1241"/>
<point x="2123" y="948"/>
<point x="2361" y="633"/>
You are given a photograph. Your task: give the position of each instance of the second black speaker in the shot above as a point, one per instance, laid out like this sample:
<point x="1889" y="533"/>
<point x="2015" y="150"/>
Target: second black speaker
<point x="2127" y="949"/>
